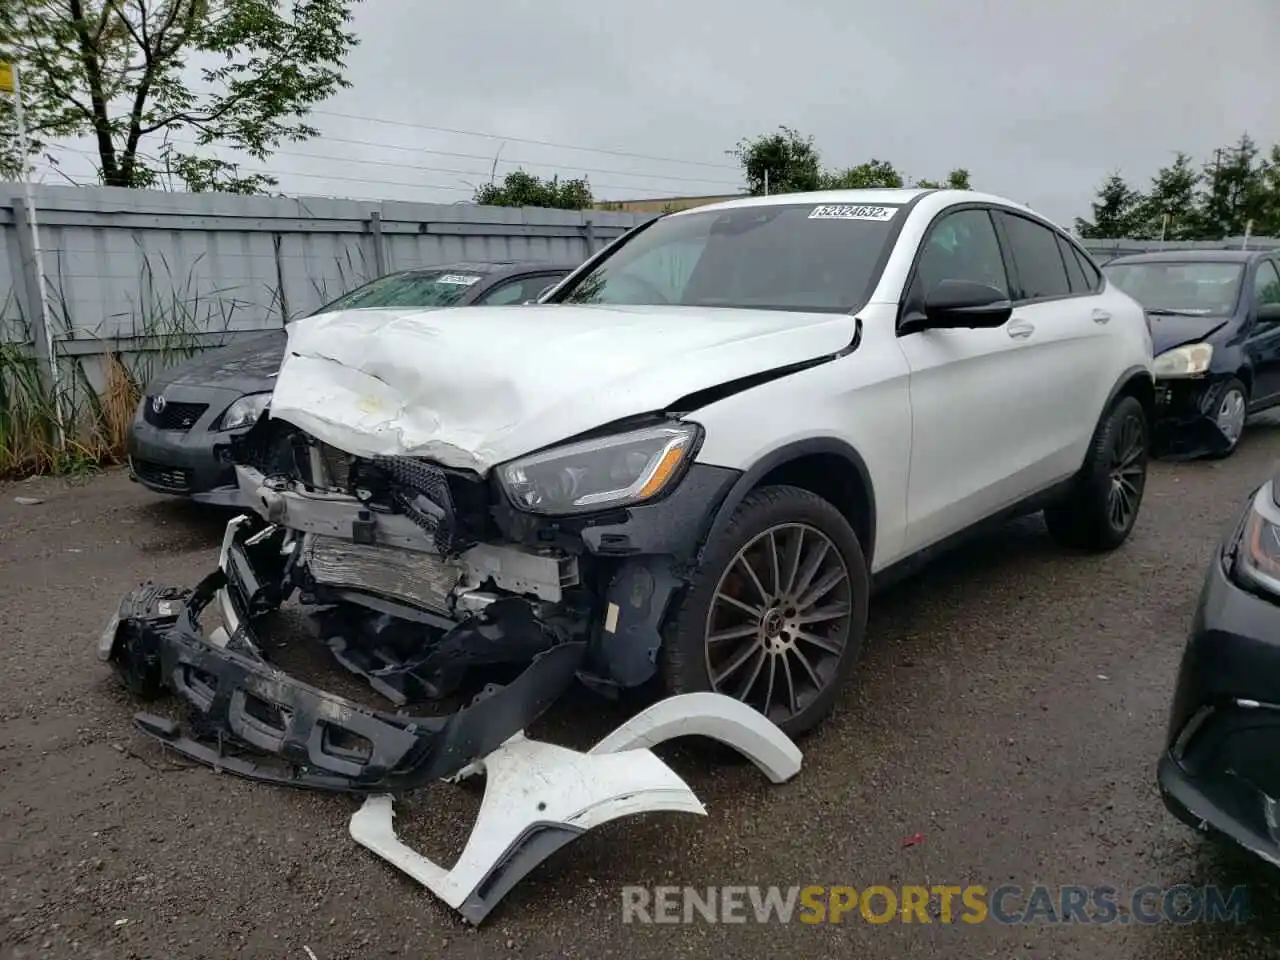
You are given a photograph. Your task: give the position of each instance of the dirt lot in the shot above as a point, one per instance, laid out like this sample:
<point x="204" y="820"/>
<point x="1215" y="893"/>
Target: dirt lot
<point x="1010" y="710"/>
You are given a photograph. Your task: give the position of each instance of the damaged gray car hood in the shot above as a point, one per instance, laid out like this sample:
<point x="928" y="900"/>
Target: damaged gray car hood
<point x="473" y="387"/>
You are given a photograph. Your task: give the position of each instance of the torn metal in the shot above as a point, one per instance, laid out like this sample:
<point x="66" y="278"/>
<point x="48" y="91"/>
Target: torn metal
<point x="249" y="718"/>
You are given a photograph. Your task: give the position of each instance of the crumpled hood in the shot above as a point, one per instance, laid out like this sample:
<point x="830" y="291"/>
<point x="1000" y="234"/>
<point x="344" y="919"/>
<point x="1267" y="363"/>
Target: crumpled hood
<point x="1168" y="332"/>
<point x="247" y="365"/>
<point x="475" y="390"/>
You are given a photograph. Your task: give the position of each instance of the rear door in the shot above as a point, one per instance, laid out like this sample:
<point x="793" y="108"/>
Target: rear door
<point x="1263" y="341"/>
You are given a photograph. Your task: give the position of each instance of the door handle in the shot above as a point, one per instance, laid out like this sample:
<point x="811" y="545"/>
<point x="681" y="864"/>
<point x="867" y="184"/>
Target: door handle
<point x="1101" y="316"/>
<point x="1020" y="330"/>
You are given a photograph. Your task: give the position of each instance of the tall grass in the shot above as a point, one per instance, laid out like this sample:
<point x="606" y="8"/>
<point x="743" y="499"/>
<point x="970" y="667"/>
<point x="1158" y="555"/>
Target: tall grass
<point x="98" y="391"/>
<point x="173" y="317"/>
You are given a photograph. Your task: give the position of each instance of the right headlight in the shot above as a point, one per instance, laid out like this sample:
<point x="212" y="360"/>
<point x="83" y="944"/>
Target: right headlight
<point x="1189" y="361"/>
<point x="614" y="471"/>
<point x="1256" y="561"/>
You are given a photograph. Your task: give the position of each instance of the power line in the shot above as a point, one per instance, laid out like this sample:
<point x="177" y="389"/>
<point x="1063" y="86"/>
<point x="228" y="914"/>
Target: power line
<point x="465" y="156"/>
<point x="541" y="143"/>
<point x="529" y="163"/>
<point x="340" y="178"/>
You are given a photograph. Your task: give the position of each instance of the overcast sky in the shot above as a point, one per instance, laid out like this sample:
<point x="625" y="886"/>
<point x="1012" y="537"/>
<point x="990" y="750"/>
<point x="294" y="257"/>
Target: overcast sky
<point x="1040" y="100"/>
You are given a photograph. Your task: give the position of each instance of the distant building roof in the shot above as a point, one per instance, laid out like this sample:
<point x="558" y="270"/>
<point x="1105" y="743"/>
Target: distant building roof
<point x="661" y="204"/>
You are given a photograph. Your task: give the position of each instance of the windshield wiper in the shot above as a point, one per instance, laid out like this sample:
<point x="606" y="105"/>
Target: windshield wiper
<point x="1166" y="312"/>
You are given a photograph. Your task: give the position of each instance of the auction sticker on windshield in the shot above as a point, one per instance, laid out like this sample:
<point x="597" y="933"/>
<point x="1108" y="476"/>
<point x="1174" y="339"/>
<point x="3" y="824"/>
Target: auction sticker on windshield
<point x="849" y="211"/>
<point x="460" y="279"/>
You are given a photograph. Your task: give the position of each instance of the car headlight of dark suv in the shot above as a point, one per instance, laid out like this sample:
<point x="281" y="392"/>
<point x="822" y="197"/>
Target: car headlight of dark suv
<point x="1255" y="554"/>
<point x="605" y="472"/>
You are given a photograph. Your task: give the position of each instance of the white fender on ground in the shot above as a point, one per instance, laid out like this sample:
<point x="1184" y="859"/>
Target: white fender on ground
<point x="712" y="715"/>
<point x="539" y="796"/>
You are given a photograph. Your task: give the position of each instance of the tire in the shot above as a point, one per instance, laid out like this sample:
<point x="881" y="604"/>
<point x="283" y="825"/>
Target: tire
<point x="1115" y="467"/>
<point x="775" y="642"/>
<point x="1237" y="388"/>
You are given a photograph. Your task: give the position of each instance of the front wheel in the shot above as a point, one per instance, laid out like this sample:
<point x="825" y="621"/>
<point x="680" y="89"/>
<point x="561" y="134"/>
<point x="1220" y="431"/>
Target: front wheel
<point x="1231" y="409"/>
<point x="775" y="614"/>
<point x="1102" y="507"/>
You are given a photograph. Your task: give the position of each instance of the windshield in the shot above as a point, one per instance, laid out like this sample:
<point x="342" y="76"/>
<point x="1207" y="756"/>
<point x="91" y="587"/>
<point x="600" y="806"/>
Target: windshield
<point x="1200" y="289"/>
<point x="803" y="257"/>
<point x="416" y="288"/>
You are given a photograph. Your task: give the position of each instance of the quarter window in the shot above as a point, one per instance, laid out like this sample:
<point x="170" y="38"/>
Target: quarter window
<point x="1041" y="272"/>
<point x="1091" y="272"/>
<point x="962" y="246"/>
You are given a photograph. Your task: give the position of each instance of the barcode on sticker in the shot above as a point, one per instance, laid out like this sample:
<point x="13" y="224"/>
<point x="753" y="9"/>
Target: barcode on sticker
<point x="461" y="279"/>
<point x="850" y="211"/>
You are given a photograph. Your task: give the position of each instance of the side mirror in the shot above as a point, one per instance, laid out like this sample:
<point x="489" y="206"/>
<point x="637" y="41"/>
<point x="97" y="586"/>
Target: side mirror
<point x="1269" y="313"/>
<point x="963" y="304"/>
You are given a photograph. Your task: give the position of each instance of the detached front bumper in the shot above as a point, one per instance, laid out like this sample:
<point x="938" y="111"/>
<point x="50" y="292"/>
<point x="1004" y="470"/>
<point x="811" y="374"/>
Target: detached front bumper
<point x="249" y="718"/>
<point x="1186" y="425"/>
<point x="1221" y="766"/>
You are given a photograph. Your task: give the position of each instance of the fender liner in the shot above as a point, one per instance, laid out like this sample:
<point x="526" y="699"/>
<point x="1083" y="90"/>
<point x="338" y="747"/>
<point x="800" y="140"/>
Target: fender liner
<point x="781" y="456"/>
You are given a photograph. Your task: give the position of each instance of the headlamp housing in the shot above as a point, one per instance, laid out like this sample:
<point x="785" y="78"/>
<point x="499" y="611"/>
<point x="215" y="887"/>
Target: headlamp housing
<point x="619" y="470"/>
<point x="1189" y="361"/>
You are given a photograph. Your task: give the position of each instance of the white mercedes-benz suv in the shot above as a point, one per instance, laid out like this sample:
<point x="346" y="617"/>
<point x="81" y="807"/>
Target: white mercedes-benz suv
<point x="698" y="454"/>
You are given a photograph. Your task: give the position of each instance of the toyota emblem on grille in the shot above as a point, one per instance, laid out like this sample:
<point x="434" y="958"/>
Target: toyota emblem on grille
<point x="157" y="404"/>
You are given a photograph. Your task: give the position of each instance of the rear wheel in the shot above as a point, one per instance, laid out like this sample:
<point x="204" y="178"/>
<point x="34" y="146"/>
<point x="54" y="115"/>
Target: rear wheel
<point x="776" y="613"/>
<point x="1102" y="507"/>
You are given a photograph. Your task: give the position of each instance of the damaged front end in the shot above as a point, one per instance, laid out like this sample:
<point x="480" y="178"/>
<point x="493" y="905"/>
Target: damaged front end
<point x="414" y="576"/>
<point x="249" y="718"/>
<point x="1189" y="422"/>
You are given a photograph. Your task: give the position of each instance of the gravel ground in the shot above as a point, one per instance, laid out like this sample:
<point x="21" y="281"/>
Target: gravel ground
<point x="1009" y="710"/>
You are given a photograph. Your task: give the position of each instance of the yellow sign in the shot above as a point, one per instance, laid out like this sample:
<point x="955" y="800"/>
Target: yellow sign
<point x="6" y="77"/>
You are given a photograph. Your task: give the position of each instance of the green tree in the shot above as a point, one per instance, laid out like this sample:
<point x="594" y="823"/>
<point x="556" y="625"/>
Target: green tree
<point x="782" y="162"/>
<point x="1169" y="207"/>
<point x="957" y="179"/>
<point x="1268" y="224"/>
<point x="1235" y="188"/>
<point x="521" y="189"/>
<point x="1116" y="211"/>
<point x="122" y="73"/>
<point x="873" y="173"/>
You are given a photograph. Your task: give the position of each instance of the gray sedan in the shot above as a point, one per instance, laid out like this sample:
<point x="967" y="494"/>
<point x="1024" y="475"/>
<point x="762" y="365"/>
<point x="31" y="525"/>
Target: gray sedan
<point x="180" y="440"/>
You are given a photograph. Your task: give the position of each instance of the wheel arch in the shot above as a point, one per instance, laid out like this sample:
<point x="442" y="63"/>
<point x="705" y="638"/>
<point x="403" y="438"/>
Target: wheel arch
<point x="825" y="466"/>
<point x="1136" y="382"/>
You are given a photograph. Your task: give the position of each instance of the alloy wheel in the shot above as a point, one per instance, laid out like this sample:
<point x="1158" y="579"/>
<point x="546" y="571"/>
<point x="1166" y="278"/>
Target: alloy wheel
<point x="779" y="620"/>
<point x="1128" y="473"/>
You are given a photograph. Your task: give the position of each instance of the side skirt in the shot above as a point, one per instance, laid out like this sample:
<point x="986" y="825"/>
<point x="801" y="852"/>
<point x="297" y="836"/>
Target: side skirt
<point x="908" y="566"/>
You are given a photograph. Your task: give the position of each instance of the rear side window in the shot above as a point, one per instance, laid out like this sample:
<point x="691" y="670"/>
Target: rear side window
<point x="1041" y="272"/>
<point x="1075" y="272"/>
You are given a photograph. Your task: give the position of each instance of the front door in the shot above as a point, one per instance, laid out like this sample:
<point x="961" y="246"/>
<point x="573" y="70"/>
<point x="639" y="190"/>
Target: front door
<point x="965" y="432"/>
<point x="1263" y="341"/>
